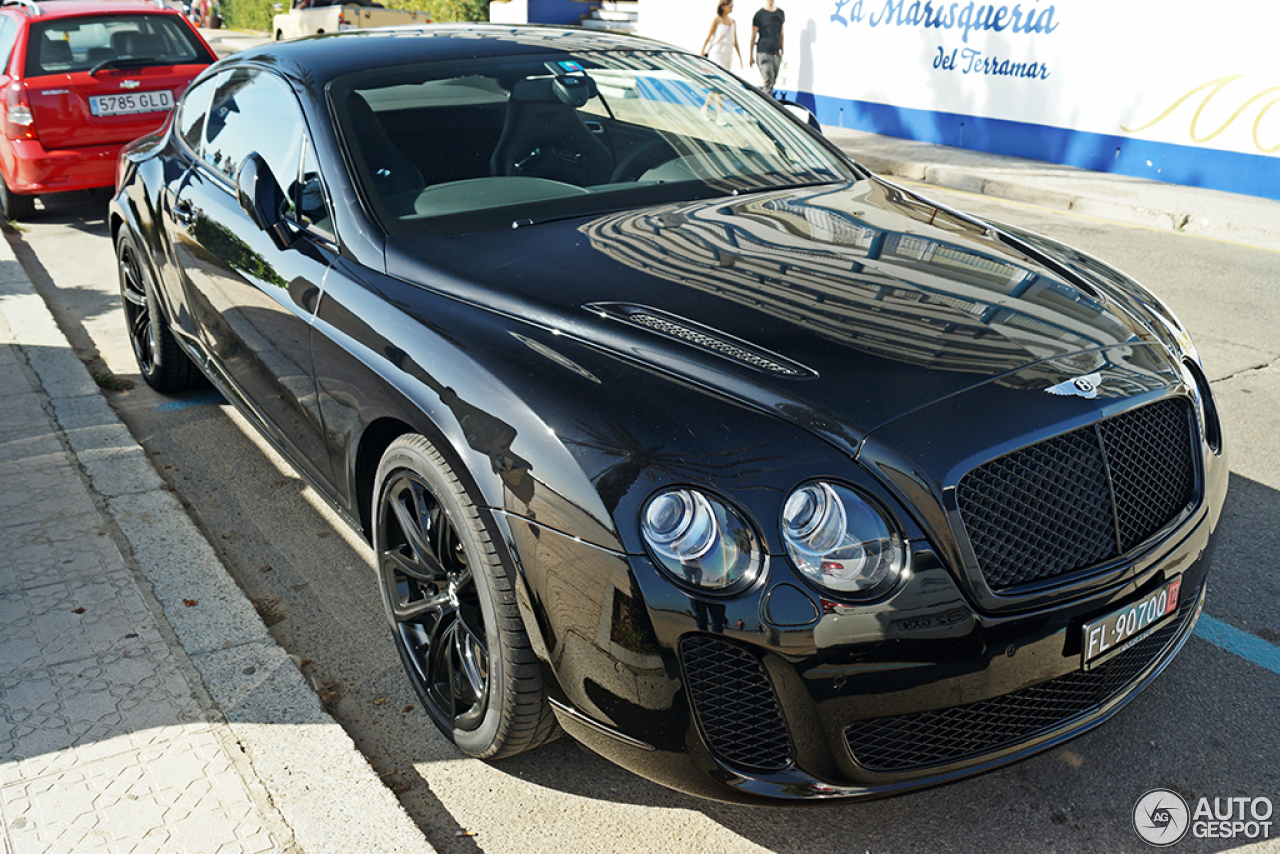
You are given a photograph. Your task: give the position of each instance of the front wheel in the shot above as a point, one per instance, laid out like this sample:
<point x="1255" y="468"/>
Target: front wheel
<point x="452" y="608"/>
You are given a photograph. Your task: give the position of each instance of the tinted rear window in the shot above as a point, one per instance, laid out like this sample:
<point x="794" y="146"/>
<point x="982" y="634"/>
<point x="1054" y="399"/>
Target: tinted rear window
<point x="78" y="44"/>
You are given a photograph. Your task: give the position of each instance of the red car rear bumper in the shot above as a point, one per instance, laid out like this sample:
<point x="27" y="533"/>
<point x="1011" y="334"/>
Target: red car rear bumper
<point x="35" y="170"/>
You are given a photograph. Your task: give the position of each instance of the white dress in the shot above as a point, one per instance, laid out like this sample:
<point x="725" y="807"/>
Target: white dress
<point x="720" y="51"/>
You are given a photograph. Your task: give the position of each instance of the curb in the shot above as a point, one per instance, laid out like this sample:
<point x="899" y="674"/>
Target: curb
<point x="314" y="777"/>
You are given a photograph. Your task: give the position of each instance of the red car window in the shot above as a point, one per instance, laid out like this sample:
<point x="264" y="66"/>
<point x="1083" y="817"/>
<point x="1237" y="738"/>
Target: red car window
<point x="66" y="45"/>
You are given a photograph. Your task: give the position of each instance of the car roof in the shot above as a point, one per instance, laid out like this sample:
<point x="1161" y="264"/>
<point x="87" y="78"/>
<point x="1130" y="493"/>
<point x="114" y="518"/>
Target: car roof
<point x="77" y="8"/>
<point x="319" y="59"/>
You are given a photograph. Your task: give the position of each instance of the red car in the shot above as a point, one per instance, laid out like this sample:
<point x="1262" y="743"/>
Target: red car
<point x="81" y="78"/>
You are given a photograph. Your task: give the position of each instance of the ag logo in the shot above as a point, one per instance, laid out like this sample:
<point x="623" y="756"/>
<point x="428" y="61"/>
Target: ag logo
<point x="1161" y="817"/>
<point x="1086" y="386"/>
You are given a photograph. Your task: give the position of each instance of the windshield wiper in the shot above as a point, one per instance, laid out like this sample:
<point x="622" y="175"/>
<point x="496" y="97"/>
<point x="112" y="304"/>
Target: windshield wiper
<point x="770" y="188"/>
<point x="135" y="62"/>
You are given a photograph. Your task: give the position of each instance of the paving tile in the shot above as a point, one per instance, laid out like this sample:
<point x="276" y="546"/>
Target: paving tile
<point x="74" y="549"/>
<point x="60" y="717"/>
<point x="36" y="445"/>
<point x="176" y="796"/>
<point x="64" y="621"/>
<point x="21" y="415"/>
<point x="41" y="487"/>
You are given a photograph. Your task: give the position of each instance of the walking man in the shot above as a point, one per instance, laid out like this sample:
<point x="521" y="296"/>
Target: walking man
<point x="766" y="43"/>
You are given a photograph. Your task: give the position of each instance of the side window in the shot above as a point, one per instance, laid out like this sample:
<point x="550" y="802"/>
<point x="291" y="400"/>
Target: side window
<point x="8" y="35"/>
<point x="253" y="110"/>
<point x="191" y="112"/>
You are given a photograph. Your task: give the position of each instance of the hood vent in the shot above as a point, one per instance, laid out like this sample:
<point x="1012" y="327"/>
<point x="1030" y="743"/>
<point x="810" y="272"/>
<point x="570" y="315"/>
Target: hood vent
<point x="700" y="336"/>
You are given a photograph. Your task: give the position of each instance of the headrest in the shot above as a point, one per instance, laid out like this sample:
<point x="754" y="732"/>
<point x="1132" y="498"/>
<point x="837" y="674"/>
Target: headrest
<point x="55" y="52"/>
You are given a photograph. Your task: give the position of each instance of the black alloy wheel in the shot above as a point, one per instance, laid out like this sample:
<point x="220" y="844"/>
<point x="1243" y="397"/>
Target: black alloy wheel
<point x="451" y="605"/>
<point x="161" y="361"/>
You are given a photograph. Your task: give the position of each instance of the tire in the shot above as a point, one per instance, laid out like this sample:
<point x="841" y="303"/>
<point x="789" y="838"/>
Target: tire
<point x="452" y="608"/>
<point x="16" y="208"/>
<point x="163" y="364"/>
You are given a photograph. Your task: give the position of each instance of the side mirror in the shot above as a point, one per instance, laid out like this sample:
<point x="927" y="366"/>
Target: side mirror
<point x="802" y="113"/>
<point x="262" y="199"/>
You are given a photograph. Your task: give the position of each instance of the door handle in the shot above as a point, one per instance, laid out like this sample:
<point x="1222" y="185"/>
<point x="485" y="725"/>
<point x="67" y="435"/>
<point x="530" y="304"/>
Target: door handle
<point x="184" y="212"/>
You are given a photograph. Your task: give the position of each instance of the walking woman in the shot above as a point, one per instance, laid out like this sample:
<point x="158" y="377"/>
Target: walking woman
<point x="722" y="39"/>
<point x="720" y="46"/>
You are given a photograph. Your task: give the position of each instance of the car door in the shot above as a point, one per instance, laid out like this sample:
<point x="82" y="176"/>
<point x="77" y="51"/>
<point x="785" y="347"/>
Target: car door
<point x="177" y="257"/>
<point x="251" y="302"/>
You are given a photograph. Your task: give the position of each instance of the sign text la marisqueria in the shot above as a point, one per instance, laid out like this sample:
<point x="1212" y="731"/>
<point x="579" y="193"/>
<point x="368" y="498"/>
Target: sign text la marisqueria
<point x="963" y="20"/>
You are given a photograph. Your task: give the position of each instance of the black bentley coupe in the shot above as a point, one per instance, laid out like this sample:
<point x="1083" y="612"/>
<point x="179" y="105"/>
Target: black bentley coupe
<point x="671" y="426"/>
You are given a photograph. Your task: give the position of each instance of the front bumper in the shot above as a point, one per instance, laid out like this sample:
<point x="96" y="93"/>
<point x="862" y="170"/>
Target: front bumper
<point x="785" y="696"/>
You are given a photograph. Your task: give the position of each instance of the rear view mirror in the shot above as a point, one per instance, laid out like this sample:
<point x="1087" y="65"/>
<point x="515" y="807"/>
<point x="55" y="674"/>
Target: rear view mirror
<point x="802" y="113"/>
<point x="262" y="199"/>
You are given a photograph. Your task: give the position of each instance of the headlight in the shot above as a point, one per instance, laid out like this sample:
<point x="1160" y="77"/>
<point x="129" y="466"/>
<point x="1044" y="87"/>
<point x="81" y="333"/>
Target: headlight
<point x="1206" y="410"/>
<point x="701" y="541"/>
<point x="839" y="541"/>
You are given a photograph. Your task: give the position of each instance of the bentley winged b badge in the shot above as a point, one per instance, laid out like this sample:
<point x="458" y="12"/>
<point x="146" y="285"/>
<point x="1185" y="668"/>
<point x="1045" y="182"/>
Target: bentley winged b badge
<point x="1086" y="386"/>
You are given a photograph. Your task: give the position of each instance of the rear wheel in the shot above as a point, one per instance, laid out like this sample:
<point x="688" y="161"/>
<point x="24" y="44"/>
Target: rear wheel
<point x="452" y="608"/>
<point x="161" y="361"/>
<point x="16" y="207"/>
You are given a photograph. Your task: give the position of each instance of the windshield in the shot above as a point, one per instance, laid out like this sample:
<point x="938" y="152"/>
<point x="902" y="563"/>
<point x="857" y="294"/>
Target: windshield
<point x="79" y="44"/>
<point x="444" y="148"/>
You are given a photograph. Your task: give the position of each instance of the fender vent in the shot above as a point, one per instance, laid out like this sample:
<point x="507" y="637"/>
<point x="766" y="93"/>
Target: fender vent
<point x="707" y="339"/>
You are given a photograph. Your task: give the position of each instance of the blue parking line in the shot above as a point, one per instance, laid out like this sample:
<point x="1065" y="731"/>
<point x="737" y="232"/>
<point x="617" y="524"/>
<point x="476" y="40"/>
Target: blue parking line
<point x="198" y="400"/>
<point x="1241" y="643"/>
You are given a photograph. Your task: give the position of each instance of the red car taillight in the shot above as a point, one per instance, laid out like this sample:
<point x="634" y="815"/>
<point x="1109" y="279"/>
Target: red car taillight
<point x="19" y="123"/>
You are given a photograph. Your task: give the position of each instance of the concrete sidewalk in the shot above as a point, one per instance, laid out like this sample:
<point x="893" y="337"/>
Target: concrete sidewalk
<point x="143" y="705"/>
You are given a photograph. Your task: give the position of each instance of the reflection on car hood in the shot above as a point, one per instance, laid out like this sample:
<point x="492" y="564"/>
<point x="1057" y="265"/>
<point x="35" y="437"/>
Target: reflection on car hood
<point x="841" y="308"/>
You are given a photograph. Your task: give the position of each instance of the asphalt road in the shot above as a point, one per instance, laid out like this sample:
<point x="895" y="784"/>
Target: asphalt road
<point x="1206" y="728"/>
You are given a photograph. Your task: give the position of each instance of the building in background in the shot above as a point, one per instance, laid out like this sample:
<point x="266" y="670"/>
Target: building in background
<point x="620" y="15"/>
<point x="1186" y="93"/>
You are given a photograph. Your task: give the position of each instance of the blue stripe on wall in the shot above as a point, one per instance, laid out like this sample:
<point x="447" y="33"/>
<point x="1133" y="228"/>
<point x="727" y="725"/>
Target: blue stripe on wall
<point x="1251" y="174"/>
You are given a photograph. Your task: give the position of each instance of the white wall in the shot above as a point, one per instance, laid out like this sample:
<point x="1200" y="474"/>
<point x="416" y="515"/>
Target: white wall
<point x="1200" y="75"/>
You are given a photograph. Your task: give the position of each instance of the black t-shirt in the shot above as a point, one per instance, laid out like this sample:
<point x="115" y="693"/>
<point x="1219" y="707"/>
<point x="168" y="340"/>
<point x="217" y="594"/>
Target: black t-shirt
<point x="769" y="24"/>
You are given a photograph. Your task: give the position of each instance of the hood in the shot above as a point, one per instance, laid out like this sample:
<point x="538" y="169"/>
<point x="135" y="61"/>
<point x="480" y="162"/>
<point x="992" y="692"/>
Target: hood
<point x="839" y="308"/>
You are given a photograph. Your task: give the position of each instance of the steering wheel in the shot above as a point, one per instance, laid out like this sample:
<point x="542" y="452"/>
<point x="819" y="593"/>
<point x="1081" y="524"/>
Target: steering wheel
<point x="626" y="164"/>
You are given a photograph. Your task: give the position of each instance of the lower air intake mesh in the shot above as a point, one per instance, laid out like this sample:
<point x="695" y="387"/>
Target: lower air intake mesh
<point x="735" y="704"/>
<point x="949" y="735"/>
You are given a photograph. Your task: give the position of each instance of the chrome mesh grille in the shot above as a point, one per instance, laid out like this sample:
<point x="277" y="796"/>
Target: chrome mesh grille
<point x="949" y="735"/>
<point x="735" y="704"/>
<point x="1075" y="500"/>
